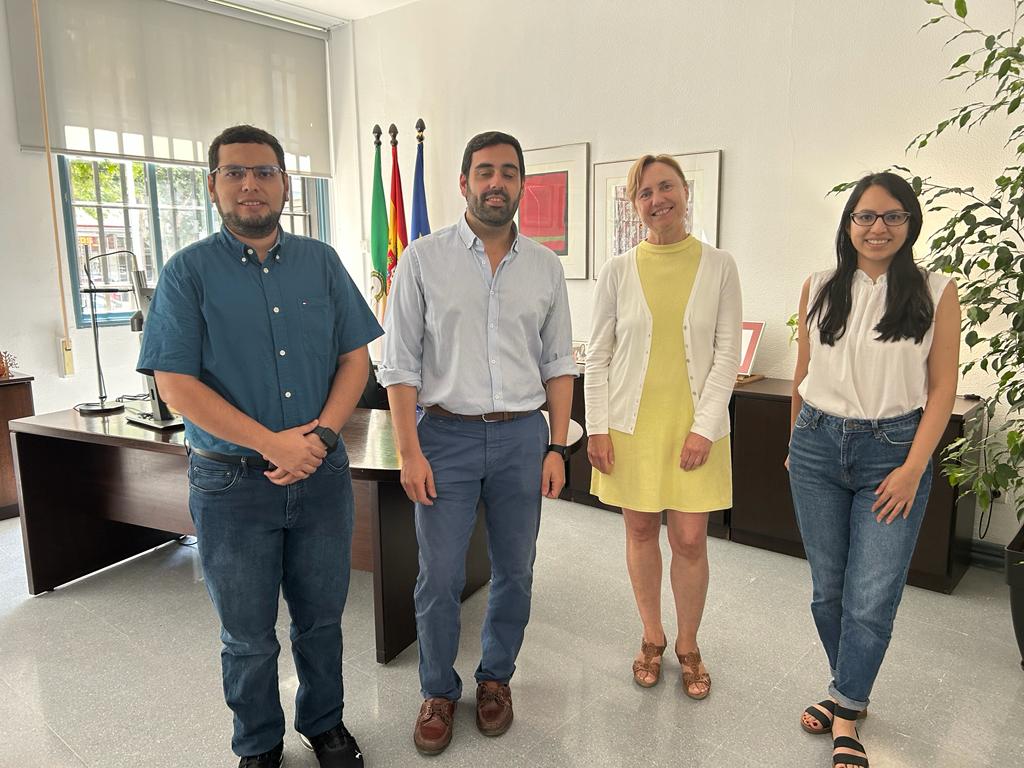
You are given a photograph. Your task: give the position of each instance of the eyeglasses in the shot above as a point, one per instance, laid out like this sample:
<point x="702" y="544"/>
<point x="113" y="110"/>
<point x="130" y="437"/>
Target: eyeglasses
<point x="889" y="218"/>
<point x="235" y="173"/>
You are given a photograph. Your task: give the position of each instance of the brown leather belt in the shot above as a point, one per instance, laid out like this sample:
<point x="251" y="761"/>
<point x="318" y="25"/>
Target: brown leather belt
<point x="437" y="410"/>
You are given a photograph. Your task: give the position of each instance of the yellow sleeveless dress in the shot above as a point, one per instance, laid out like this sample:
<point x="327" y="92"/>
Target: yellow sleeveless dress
<point x="646" y="476"/>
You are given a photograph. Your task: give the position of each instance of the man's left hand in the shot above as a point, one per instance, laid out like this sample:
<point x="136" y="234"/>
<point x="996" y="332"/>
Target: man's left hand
<point x="552" y="478"/>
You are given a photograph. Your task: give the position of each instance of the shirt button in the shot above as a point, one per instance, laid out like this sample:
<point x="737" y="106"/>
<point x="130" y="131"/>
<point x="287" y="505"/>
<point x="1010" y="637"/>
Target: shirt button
<point x="287" y="394"/>
<point x="244" y="259"/>
<point x="278" y="257"/>
<point x="494" y="362"/>
<point x="249" y="251"/>
<point x="282" y="353"/>
<point x="265" y="270"/>
<point x="492" y="293"/>
<point x="491" y="325"/>
<point x="497" y="397"/>
<point x="276" y="310"/>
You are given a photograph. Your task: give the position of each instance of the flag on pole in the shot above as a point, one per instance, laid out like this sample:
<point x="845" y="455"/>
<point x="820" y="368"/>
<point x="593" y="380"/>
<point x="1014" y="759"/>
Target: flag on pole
<point x="378" y="232"/>
<point x="420" y="221"/>
<point x="397" y="237"/>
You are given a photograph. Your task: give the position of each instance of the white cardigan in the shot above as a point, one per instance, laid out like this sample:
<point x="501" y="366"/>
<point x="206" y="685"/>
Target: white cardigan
<point x="620" y="345"/>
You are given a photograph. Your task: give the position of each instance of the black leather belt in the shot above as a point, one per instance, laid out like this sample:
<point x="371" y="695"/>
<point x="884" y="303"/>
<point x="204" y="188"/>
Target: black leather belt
<point x="250" y="461"/>
<point x="437" y="410"/>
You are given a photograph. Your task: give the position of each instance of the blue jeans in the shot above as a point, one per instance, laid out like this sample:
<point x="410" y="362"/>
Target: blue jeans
<point x="499" y="463"/>
<point x="858" y="565"/>
<point x="255" y="540"/>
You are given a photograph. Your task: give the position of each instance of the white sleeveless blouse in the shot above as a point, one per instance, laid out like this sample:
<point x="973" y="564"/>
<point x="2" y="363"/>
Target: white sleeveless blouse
<point x="860" y="377"/>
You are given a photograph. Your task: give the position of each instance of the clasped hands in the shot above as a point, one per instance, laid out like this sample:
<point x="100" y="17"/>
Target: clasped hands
<point x="696" y="449"/>
<point x="296" y="454"/>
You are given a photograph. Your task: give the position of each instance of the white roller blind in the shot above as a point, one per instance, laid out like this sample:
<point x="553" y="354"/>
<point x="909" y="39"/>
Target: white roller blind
<point x="158" y="80"/>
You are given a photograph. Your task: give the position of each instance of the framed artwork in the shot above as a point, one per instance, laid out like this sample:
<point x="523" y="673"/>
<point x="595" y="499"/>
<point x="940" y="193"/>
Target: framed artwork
<point x="752" y="331"/>
<point x="553" y="209"/>
<point x="617" y="227"/>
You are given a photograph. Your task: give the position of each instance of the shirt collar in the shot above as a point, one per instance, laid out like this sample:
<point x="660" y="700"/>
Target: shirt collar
<point x="863" y="277"/>
<point x="237" y="246"/>
<point x="470" y="240"/>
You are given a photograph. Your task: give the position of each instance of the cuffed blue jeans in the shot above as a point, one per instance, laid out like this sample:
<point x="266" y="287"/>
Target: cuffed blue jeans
<point x="858" y="565"/>
<point x="255" y="540"/>
<point x="499" y="463"/>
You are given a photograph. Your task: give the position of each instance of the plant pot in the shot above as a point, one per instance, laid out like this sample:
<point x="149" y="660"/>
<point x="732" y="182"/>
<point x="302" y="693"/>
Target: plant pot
<point x="1015" y="578"/>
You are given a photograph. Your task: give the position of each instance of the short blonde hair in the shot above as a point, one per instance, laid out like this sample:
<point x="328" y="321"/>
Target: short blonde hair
<point x="633" y="179"/>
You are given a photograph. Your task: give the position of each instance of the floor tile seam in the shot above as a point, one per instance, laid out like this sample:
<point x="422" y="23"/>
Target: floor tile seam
<point x="26" y="706"/>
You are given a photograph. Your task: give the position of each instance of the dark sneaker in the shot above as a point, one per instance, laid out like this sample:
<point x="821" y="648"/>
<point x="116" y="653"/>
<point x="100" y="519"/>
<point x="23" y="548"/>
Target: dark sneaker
<point x="433" y="731"/>
<point x="493" y="708"/>
<point x="337" y="749"/>
<point x="272" y="759"/>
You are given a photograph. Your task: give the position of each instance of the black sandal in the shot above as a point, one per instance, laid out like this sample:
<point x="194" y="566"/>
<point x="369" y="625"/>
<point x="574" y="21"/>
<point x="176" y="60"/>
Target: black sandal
<point x="818" y="712"/>
<point x="846" y="742"/>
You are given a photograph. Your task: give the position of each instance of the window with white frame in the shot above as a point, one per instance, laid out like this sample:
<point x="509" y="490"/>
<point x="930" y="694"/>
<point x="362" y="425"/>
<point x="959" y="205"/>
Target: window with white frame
<point x="152" y="210"/>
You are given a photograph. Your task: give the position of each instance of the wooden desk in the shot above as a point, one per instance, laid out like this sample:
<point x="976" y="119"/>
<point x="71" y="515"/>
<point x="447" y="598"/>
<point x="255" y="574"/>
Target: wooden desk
<point x="762" y="512"/>
<point x="15" y="402"/>
<point x="96" y="490"/>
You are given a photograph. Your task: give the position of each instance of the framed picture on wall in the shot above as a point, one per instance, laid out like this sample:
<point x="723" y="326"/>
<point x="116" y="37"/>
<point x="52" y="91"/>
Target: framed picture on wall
<point x="617" y="227"/>
<point x="553" y="209"/>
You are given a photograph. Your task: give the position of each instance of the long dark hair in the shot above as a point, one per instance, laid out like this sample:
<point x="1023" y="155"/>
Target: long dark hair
<point x="908" y="302"/>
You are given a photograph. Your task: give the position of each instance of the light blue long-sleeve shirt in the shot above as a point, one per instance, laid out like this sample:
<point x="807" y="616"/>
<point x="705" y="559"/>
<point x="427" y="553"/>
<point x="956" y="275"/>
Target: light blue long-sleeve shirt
<point x="472" y="342"/>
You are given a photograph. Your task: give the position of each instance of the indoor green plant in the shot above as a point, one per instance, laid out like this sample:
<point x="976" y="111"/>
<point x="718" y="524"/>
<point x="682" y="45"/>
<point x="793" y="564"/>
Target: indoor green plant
<point x="982" y="245"/>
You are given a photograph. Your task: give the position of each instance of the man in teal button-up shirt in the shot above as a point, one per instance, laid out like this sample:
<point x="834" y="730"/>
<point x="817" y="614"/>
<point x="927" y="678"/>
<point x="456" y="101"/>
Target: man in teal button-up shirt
<point x="258" y="337"/>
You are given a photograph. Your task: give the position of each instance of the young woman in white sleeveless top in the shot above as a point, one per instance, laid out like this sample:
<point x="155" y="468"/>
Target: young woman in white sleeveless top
<point x="873" y="390"/>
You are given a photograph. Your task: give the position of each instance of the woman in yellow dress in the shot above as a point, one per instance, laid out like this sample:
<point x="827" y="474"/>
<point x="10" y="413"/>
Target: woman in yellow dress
<point x="661" y="364"/>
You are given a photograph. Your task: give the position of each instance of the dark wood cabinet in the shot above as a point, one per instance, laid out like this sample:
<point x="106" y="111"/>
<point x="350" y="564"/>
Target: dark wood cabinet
<point x="15" y="402"/>
<point x="762" y="513"/>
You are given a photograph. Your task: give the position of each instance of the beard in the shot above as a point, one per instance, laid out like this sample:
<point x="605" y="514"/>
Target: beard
<point x="255" y="228"/>
<point x="494" y="217"/>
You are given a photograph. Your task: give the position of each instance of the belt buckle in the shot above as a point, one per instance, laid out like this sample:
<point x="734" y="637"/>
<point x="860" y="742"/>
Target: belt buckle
<point x="483" y="417"/>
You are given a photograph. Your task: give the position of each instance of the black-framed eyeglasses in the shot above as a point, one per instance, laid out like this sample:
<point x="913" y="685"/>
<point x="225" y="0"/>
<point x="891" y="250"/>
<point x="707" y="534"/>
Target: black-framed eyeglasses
<point x="235" y="173"/>
<point x="889" y="218"/>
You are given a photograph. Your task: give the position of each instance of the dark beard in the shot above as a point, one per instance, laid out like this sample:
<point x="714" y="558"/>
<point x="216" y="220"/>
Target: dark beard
<point x="252" y="228"/>
<point x="490" y="216"/>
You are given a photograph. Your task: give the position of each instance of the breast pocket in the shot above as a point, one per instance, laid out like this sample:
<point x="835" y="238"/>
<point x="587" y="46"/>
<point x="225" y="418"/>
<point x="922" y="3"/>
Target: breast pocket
<point x="317" y="330"/>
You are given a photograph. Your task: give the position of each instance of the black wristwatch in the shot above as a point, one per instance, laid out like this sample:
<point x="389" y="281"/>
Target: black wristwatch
<point x="561" y="450"/>
<point x="327" y="436"/>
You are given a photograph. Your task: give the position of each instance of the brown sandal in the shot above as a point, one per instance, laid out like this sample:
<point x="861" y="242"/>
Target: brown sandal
<point x="692" y="661"/>
<point x="651" y="665"/>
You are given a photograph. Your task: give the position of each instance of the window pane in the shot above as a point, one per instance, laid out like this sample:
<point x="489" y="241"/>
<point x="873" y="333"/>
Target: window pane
<point x="298" y="194"/>
<point x="163" y="185"/>
<point x="83" y="181"/>
<point x="191" y="227"/>
<point x="286" y="224"/>
<point x="110" y="182"/>
<point x="139" y="189"/>
<point x="186" y="191"/>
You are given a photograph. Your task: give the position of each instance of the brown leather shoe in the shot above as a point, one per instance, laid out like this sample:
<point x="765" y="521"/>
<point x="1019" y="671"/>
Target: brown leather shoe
<point x="433" y="730"/>
<point x="493" y="708"/>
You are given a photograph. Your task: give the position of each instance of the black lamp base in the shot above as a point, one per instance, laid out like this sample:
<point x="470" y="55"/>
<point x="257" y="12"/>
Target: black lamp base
<point x="99" y="409"/>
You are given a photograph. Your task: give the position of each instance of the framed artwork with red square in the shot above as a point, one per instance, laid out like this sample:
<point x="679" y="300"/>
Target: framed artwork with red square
<point x="553" y="209"/>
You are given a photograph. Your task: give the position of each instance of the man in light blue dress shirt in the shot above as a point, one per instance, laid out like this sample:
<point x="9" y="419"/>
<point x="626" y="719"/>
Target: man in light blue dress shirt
<point x="478" y="333"/>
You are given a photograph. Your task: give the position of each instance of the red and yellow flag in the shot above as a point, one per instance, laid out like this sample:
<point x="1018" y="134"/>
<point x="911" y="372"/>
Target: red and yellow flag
<point x="398" y="237"/>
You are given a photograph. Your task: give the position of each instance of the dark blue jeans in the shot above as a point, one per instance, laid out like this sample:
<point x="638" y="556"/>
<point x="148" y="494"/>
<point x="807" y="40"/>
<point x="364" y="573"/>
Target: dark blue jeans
<point x="858" y="565"/>
<point x="255" y="540"/>
<point x="501" y="464"/>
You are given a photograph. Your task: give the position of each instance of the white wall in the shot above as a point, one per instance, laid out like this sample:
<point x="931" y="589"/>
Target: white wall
<point x="799" y="96"/>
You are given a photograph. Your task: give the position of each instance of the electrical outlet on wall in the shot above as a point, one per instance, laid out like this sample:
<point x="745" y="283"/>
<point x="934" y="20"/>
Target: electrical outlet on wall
<point x="66" y="365"/>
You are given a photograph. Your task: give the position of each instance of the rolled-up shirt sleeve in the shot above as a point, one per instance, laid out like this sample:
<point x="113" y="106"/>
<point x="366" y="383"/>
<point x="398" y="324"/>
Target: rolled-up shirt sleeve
<point x="172" y="339"/>
<point x="404" y="321"/>
<point x="556" y="335"/>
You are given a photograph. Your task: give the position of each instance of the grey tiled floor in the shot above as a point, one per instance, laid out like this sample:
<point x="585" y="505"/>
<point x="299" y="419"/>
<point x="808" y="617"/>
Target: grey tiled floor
<point x="122" y="669"/>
